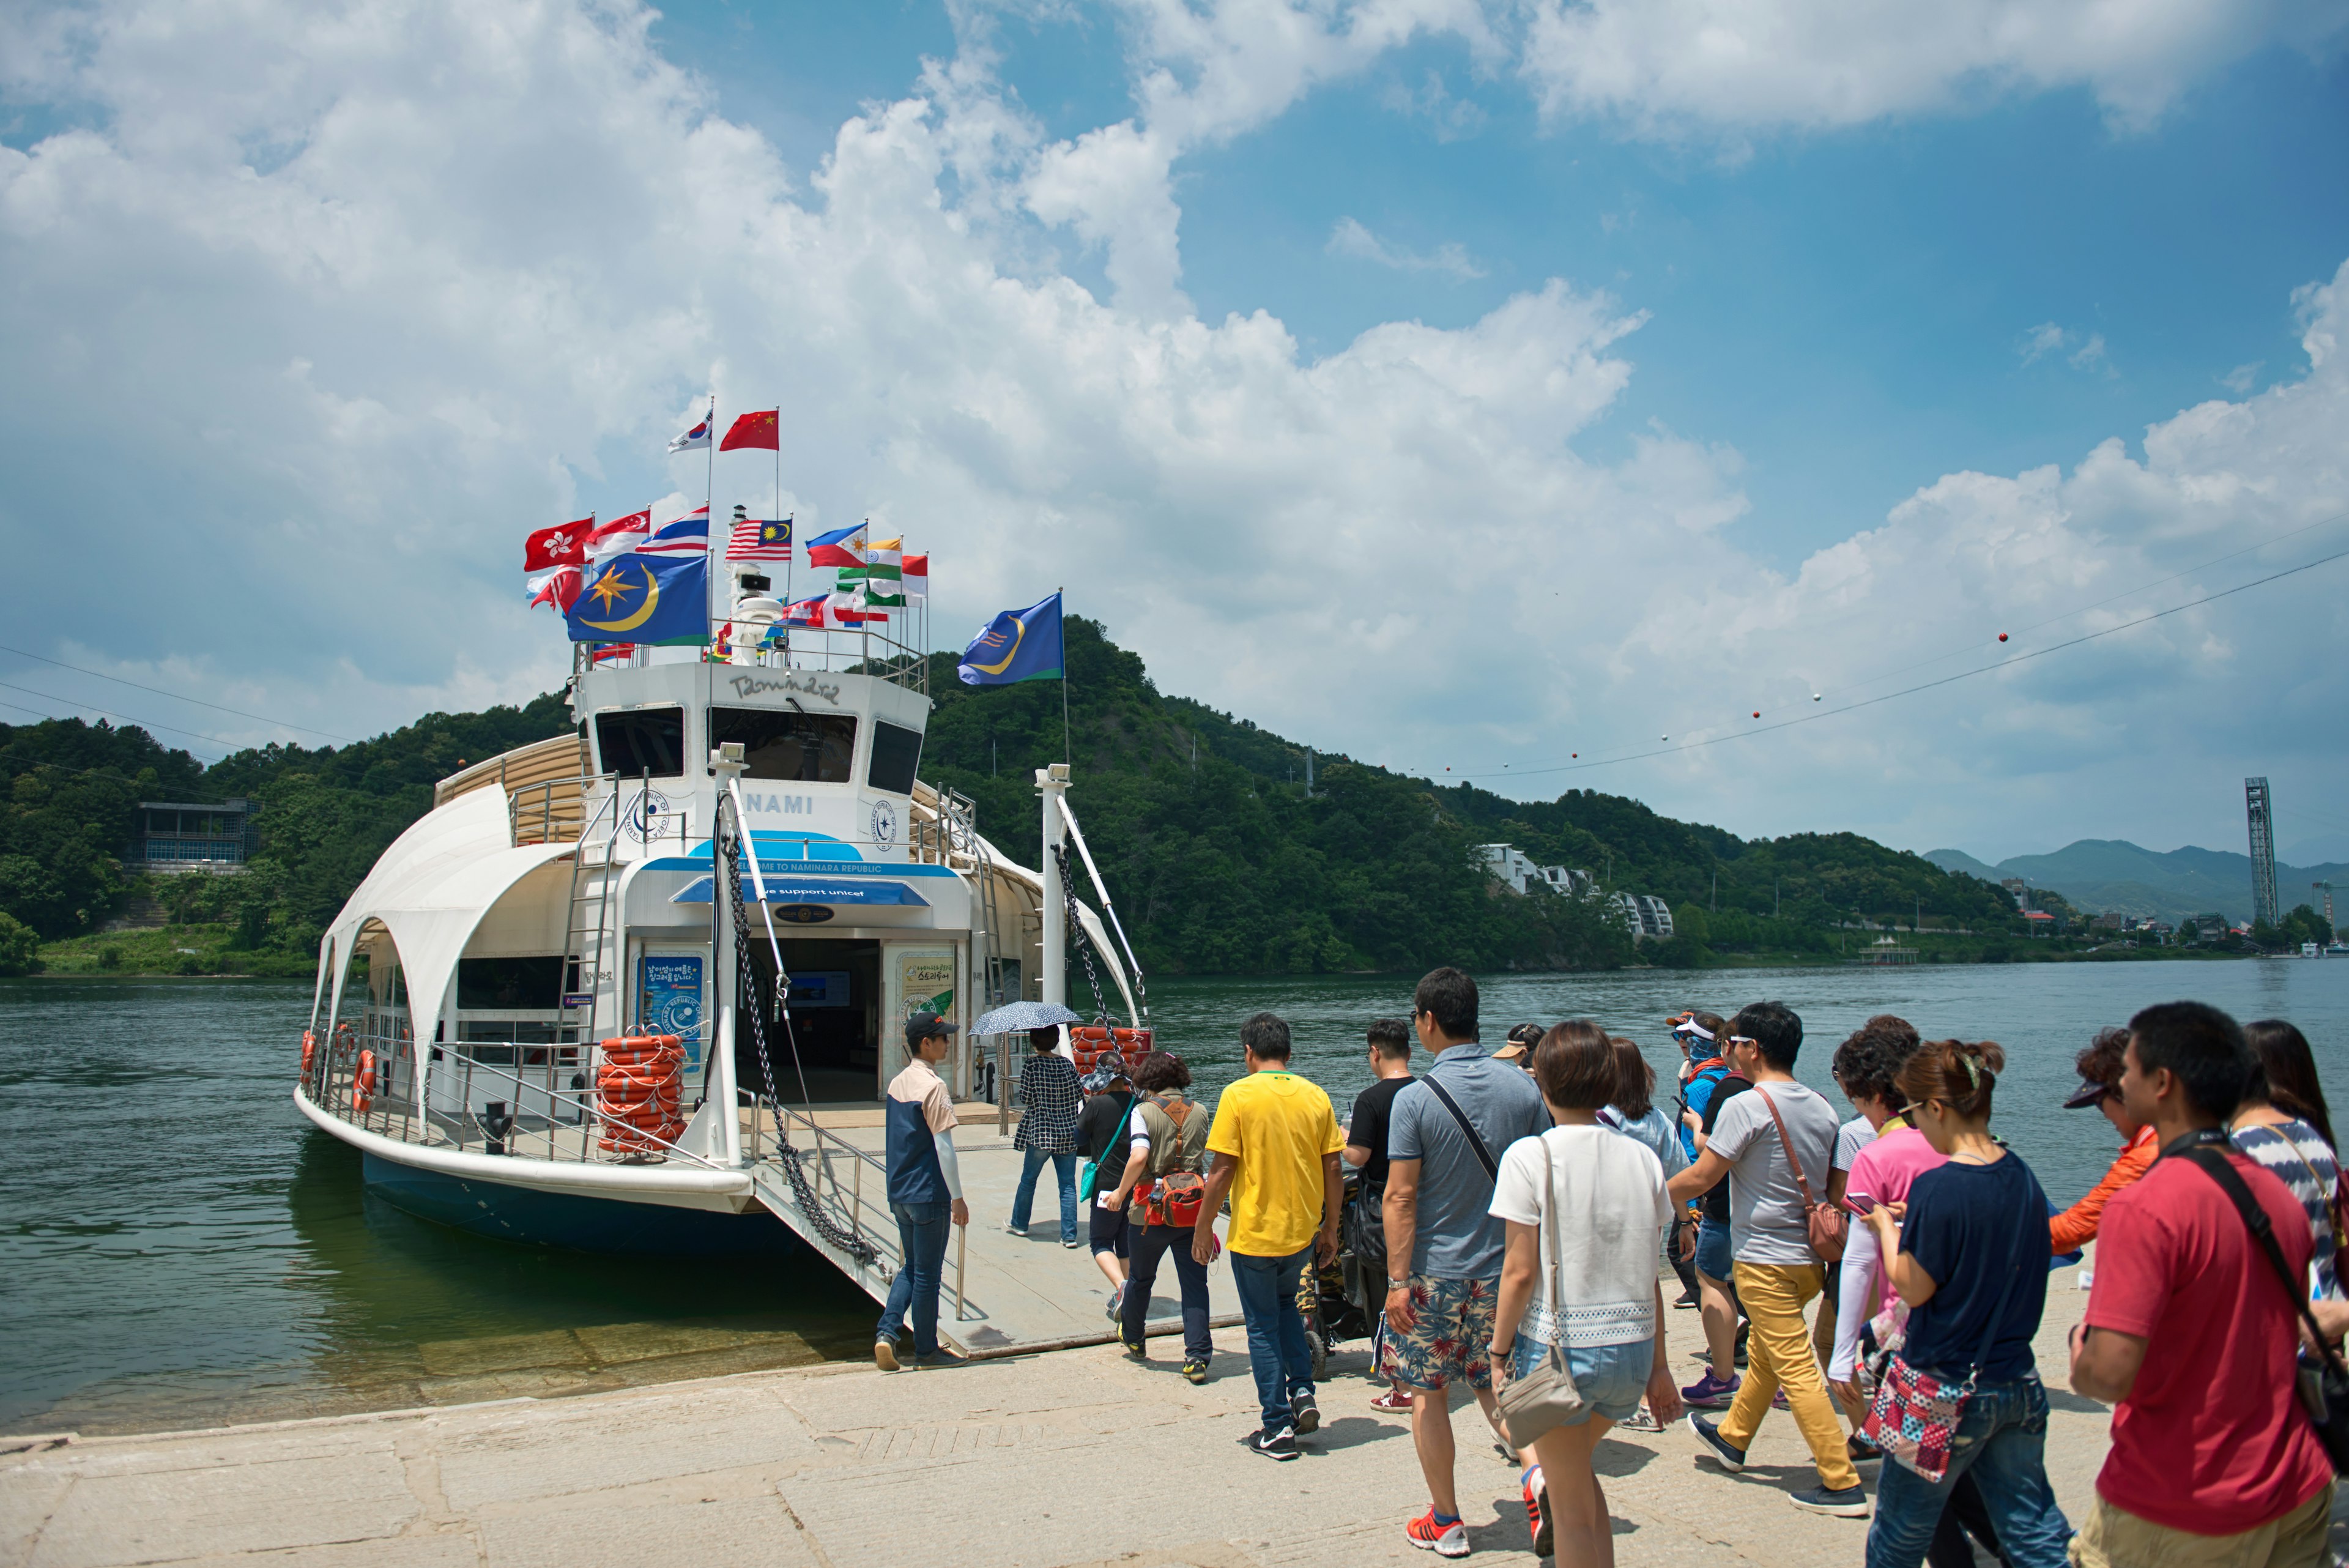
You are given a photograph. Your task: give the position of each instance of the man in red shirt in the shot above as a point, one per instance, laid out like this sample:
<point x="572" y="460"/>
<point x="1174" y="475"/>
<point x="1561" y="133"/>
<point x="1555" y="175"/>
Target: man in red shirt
<point x="2191" y="1336"/>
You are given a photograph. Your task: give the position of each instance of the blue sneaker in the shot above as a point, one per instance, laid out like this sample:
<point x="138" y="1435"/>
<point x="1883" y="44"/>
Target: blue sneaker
<point x="1716" y="1446"/>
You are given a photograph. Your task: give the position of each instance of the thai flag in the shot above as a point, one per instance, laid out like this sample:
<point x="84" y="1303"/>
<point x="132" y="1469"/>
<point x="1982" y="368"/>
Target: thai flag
<point x="687" y="536"/>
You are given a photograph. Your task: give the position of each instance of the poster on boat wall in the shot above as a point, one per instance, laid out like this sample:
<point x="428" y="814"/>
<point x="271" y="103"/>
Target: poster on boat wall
<point x="669" y="999"/>
<point x="915" y="979"/>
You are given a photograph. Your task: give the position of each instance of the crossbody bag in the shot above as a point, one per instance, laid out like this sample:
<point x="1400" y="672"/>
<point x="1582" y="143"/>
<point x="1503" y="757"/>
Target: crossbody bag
<point x="2322" y="1384"/>
<point x="1091" y="1182"/>
<point x="1546" y="1397"/>
<point x="1915" y="1415"/>
<point x="1827" y="1225"/>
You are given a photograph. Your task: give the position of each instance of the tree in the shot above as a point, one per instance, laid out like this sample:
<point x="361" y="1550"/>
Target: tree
<point x="18" y="944"/>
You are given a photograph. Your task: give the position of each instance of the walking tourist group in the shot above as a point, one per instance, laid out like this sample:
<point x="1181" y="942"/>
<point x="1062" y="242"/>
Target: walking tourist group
<point x="1525" y="1203"/>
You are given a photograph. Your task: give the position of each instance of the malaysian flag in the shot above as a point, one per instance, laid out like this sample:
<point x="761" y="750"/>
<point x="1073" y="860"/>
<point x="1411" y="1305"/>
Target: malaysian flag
<point x="760" y="539"/>
<point x="687" y="536"/>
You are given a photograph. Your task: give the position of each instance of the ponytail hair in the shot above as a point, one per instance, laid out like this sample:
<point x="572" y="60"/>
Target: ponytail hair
<point x="1958" y="1074"/>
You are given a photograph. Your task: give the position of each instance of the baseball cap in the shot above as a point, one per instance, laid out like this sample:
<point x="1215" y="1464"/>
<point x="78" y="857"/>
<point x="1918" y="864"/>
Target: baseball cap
<point x="921" y="1026"/>
<point x="2089" y="1093"/>
<point x="1107" y="1075"/>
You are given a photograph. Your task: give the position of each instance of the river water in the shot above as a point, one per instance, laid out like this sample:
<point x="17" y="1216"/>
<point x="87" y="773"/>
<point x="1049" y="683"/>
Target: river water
<point x="180" y="1249"/>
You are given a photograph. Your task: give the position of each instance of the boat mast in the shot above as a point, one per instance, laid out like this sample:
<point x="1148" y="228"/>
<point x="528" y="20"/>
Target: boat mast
<point x="1051" y="785"/>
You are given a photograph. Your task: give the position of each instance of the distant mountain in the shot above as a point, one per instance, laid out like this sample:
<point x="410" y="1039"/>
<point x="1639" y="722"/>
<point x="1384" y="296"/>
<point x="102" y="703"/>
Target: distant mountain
<point x="2113" y="874"/>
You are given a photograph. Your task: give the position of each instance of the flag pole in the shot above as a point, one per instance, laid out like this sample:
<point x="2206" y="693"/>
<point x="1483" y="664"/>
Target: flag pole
<point x="1067" y="752"/>
<point x="709" y="506"/>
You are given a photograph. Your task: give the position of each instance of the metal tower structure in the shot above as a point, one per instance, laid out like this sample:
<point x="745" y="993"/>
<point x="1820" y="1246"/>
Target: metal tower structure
<point x="2264" y="885"/>
<point x="2326" y="890"/>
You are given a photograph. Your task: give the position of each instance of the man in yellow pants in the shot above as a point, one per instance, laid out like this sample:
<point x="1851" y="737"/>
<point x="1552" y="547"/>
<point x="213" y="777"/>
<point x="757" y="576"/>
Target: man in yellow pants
<point x="1772" y="1142"/>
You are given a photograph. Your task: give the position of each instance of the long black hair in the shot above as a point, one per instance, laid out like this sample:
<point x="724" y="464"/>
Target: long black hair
<point x="2284" y="1074"/>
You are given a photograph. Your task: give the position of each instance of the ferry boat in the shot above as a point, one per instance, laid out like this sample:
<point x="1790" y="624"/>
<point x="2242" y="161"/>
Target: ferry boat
<point x="545" y="1017"/>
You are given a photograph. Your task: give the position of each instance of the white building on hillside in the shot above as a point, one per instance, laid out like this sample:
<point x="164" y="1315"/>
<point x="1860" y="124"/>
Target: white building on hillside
<point x="1516" y="869"/>
<point x="1646" y="915"/>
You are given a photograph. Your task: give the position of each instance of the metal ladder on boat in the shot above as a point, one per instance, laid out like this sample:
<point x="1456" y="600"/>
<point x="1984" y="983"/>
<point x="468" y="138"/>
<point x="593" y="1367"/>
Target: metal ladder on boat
<point x="594" y="879"/>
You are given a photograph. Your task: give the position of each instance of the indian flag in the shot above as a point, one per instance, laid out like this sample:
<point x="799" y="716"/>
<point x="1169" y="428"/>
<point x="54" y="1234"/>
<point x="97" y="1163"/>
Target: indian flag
<point x="881" y="563"/>
<point x="916" y="583"/>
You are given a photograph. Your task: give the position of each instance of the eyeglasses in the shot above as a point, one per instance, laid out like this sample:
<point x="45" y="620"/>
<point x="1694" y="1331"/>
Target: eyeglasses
<point x="1741" y="1040"/>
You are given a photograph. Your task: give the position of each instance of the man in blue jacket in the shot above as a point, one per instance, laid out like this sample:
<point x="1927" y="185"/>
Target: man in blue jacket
<point x="925" y="1191"/>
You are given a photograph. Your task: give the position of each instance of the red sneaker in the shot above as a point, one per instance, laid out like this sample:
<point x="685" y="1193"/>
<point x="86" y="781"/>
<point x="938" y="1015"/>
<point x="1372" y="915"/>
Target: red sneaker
<point x="1393" y="1401"/>
<point x="1443" y="1540"/>
<point x="1538" y="1520"/>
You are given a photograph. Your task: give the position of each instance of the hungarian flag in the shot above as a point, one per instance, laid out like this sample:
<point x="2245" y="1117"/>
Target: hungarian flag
<point x="565" y="544"/>
<point x="753" y="430"/>
<point x="916" y="580"/>
<point x="760" y="539"/>
<point x="841" y="547"/>
<point x="687" y="536"/>
<point x="557" y="588"/>
<point x="620" y="536"/>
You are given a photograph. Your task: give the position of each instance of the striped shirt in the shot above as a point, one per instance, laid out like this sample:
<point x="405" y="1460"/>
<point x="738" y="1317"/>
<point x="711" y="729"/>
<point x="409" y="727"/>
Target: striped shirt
<point x="2297" y="1154"/>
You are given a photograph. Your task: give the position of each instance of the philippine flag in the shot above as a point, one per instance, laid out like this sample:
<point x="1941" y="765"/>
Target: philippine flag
<point x="698" y="436"/>
<point x="841" y="547"/>
<point x="687" y="536"/>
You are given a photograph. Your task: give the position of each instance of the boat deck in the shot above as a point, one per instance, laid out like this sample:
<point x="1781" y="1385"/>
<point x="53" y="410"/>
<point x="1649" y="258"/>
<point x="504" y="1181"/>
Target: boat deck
<point x="1003" y="1295"/>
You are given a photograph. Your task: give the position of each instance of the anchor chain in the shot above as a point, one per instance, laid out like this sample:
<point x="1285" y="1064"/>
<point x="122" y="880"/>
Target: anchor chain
<point x="803" y="1189"/>
<point x="1077" y="930"/>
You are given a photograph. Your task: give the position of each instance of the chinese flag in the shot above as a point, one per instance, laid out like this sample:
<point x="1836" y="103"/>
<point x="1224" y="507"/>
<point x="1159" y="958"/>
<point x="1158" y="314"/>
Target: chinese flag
<point x="752" y="431"/>
<point x="562" y="546"/>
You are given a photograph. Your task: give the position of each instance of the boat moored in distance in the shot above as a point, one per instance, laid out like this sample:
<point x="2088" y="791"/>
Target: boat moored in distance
<point x="526" y="1016"/>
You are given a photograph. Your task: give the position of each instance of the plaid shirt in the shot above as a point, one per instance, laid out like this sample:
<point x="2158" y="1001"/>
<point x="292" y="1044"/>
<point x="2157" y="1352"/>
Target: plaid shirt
<point x="1050" y="1089"/>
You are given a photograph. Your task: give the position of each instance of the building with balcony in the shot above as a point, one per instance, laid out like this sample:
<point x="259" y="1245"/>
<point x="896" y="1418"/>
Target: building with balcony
<point x="187" y="836"/>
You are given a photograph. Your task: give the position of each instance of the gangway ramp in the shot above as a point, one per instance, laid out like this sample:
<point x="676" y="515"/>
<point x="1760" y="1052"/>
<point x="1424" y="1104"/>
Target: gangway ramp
<point x="1001" y="1294"/>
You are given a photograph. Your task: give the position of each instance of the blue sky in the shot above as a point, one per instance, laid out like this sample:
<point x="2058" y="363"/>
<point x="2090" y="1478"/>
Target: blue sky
<point x="1456" y="385"/>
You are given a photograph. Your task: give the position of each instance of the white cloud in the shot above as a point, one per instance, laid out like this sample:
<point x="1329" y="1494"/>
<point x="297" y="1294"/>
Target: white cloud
<point x="1349" y="238"/>
<point x="2242" y="378"/>
<point x="2041" y="340"/>
<point x="1669" y="67"/>
<point x="299" y="405"/>
<point x="2082" y="351"/>
<point x="2090" y="355"/>
<point x="1452" y="119"/>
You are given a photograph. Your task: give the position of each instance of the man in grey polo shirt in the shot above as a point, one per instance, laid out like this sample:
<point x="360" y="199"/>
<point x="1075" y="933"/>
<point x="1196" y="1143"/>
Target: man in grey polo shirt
<point x="1439" y="1228"/>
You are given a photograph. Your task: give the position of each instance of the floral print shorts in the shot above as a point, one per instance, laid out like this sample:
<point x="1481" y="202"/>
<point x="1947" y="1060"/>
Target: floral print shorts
<point x="1450" y="1338"/>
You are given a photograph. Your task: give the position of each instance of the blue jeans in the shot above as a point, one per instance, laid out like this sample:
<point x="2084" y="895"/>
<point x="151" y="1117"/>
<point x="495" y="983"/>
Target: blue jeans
<point x="1277" y="1354"/>
<point x="1064" y="1166"/>
<point x="1146" y="1244"/>
<point x="922" y="1236"/>
<point x="2000" y="1442"/>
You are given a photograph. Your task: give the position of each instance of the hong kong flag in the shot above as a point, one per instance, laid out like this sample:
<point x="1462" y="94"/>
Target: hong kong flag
<point x="757" y="430"/>
<point x="565" y="544"/>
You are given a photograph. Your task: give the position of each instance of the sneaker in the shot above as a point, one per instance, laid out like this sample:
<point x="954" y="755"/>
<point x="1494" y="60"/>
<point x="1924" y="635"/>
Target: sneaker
<point x="1861" y="1451"/>
<point x="1393" y="1400"/>
<point x="1537" y="1521"/>
<point x="1778" y="1401"/>
<point x="1306" y="1413"/>
<point x="885" y="1355"/>
<point x="1687" y="1301"/>
<point x="1197" y="1371"/>
<point x="1281" y="1445"/>
<point x="1639" y="1420"/>
<point x="1134" y="1345"/>
<point x="1071" y="1241"/>
<point x="1020" y="1231"/>
<point x="1716" y="1446"/>
<point x="1116" y="1301"/>
<point x="1443" y="1540"/>
<point x="941" y="1356"/>
<point x="1710" y="1392"/>
<point x="1851" y="1502"/>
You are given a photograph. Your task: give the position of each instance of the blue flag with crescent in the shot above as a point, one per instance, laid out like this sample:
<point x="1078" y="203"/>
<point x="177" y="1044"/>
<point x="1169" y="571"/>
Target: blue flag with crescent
<point x="643" y="598"/>
<point x="1018" y="645"/>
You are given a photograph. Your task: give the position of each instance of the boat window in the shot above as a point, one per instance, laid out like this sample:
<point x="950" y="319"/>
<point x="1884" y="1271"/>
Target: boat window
<point x="779" y="744"/>
<point x="896" y="751"/>
<point x="510" y="984"/>
<point x="642" y="741"/>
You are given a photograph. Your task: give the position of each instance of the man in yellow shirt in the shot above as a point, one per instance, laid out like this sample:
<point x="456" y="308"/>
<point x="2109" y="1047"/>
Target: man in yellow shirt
<point x="1275" y="1144"/>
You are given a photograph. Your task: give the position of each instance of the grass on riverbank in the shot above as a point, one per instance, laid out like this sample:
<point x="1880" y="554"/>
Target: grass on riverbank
<point x="198" y="950"/>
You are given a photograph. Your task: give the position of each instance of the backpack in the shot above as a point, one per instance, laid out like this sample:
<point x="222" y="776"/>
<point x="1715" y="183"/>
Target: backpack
<point x="1171" y="1189"/>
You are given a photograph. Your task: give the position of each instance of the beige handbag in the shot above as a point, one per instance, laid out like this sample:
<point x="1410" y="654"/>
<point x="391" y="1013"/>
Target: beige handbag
<point x="1546" y="1397"/>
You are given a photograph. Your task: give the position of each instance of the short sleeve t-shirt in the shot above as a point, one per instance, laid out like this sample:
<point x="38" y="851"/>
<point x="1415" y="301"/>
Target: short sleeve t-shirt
<point x="1279" y="1127"/>
<point x="1102" y="1136"/>
<point x="2211" y="1439"/>
<point x="1971" y="1227"/>
<point x="1456" y="1237"/>
<point x="1367" y="1127"/>
<point x="1850" y="1138"/>
<point x="1884" y="1173"/>
<point x="1607" y="1193"/>
<point x="2298" y="1156"/>
<point x="1768" y="1221"/>
<point x="1715" y="1201"/>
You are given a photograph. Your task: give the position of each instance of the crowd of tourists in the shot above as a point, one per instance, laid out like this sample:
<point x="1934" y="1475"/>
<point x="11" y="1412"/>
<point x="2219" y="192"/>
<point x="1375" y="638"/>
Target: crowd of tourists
<point x="1524" y="1206"/>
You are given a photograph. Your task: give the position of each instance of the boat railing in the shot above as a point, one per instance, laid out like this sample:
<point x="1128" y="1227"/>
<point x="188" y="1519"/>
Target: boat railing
<point x="555" y="811"/>
<point x="545" y="1085"/>
<point x="881" y="652"/>
<point x="860" y="1206"/>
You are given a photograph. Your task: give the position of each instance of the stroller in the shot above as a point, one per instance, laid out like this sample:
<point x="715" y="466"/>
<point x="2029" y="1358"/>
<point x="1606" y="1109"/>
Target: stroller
<point x="1343" y="1300"/>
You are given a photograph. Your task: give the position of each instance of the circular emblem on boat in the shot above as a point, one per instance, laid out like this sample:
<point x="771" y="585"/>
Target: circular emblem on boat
<point x="885" y="822"/>
<point x="644" y="813"/>
<point x="803" y="914"/>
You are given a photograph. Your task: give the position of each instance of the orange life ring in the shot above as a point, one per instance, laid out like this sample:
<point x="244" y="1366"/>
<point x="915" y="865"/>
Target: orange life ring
<point x="363" y="1084"/>
<point x="309" y="1053"/>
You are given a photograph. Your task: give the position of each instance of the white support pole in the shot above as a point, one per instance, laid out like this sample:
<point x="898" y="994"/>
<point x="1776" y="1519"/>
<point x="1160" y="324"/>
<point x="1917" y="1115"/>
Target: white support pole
<point x="726" y="763"/>
<point x="1053" y="784"/>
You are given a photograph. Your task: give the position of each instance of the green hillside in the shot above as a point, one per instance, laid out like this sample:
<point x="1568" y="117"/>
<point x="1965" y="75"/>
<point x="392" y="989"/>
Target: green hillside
<point x="1218" y="859"/>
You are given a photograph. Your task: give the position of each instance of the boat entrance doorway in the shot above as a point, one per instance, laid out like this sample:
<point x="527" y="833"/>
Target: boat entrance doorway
<point x="835" y="1018"/>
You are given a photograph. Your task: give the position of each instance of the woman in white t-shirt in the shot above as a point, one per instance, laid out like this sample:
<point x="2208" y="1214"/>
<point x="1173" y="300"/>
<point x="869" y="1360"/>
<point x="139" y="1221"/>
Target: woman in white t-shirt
<point x="1600" y="1198"/>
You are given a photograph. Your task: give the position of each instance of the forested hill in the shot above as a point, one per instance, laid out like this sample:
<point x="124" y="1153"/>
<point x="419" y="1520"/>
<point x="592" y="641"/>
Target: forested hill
<point x="1218" y="859"/>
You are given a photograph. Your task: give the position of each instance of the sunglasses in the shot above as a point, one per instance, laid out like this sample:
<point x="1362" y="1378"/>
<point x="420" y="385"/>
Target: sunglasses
<point x="1741" y="1040"/>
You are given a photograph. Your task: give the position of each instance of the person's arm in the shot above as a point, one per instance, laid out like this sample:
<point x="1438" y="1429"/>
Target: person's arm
<point x="2076" y="1226"/>
<point x="1402" y="1217"/>
<point x="1907" y="1274"/>
<point x="1520" y="1262"/>
<point x="1136" y="1164"/>
<point x="2105" y="1362"/>
<point x="1701" y="1177"/>
<point x="1664" y="1388"/>
<point x="1333" y="1204"/>
<point x="1855" y="1294"/>
<point x="1839" y="1183"/>
<point x="951" y="1170"/>
<point x="1221" y="1170"/>
<point x="1356" y="1154"/>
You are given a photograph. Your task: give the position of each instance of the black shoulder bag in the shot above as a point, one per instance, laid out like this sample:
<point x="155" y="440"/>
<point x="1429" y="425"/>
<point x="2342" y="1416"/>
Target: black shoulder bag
<point x="2323" y="1381"/>
<point x="1483" y="1156"/>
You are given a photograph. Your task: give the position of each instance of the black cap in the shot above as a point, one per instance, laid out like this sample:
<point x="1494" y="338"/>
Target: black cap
<point x="921" y="1026"/>
<point x="2089" y="1093"/>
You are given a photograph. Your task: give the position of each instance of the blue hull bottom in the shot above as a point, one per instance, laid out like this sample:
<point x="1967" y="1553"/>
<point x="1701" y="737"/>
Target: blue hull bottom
<point x="537" y="1218"/>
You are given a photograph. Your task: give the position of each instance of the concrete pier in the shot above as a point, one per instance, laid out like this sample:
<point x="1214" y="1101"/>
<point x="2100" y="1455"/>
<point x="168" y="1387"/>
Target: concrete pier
<point x="1081" y="1457"/>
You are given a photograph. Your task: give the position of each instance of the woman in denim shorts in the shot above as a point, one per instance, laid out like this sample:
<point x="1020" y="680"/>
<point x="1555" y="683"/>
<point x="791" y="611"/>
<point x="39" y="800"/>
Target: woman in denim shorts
<point x="1587" y="1212"/>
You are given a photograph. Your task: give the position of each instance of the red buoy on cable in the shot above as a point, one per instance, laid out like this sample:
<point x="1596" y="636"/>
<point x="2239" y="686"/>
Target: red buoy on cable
<point x="2001" y="636"/>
